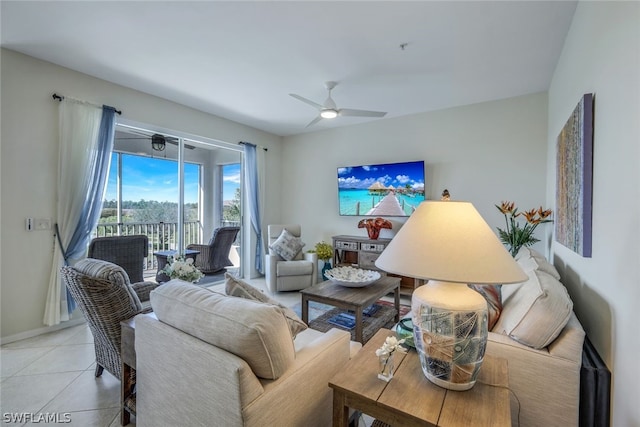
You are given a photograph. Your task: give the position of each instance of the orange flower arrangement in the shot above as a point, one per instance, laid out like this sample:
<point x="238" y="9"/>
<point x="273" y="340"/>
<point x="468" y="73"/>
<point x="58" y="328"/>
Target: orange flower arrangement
<point x="374" y="226"/>
<point x="515" y="235"/>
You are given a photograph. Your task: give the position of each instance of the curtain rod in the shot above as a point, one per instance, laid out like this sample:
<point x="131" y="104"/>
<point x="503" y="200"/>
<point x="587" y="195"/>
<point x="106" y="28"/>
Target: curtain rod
<point x="60" y="98"/>
<point x="248" y="143"/>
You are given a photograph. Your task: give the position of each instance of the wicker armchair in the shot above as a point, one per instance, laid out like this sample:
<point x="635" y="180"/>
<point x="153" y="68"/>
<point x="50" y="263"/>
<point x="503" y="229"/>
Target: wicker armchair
<point x="128" y="252"/>
<point x="214" y="257"/>
<point x="103" y="292"/>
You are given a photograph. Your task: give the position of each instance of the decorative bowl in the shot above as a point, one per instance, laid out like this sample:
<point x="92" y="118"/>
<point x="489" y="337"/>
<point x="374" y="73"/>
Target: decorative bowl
<point x="352" y="277"/>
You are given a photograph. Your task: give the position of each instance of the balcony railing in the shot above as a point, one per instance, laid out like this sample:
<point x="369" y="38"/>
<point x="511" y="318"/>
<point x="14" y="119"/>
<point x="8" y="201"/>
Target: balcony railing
<point x="162" y="235"/>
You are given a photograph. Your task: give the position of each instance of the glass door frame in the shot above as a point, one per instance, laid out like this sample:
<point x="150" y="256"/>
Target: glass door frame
<point x="206" y="142"/>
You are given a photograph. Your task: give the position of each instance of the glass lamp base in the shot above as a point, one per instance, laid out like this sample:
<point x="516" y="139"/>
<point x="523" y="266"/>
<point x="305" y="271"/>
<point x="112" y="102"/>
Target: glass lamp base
<point x="450" y="333"/>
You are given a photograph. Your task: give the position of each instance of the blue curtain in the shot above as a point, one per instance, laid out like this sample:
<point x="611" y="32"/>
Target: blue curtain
<point x="251" y="174"/>
<point x="93" y="202"/>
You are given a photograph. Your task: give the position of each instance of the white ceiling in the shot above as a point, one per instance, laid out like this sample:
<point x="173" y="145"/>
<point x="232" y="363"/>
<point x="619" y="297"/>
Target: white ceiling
<point x="240" y="60"/>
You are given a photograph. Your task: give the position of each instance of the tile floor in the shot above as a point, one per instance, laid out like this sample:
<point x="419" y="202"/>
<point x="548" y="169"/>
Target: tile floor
<point x="53" y="375"/>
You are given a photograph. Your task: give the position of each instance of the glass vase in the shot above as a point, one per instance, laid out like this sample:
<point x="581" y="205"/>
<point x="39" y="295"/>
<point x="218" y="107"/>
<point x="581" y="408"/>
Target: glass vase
<point x="385" y="367"/>
<point x="325" y="267"/>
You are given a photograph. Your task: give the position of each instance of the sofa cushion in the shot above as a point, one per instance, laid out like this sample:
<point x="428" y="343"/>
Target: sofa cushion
<point x="287" y="245"/>
<point x="239" y="288"/>
<point x="253" y="331"/>
<point x="530" y="260"/>
<point x="536" y="311"/>
<point x="493" y="295"/>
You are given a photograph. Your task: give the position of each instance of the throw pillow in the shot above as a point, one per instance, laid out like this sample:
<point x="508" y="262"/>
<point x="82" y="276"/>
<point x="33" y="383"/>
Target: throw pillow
<point x="529" y="260"/>
<point x="257" y="333"/>
<point x="492" y="293"/>
<point x="287" y="245"/>
<point x="239" y="288"/>
<point x="536" y="312"/>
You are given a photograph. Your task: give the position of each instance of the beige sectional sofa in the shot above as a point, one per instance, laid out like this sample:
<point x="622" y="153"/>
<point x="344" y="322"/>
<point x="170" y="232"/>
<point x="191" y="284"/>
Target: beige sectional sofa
<point x="213" y="359"/>
<point x="540" y="336"/>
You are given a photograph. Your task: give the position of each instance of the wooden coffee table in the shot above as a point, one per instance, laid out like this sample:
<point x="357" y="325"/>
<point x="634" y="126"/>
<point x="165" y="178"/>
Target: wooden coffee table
<point x="355" y="299"/>
<point x="409" y="399"/>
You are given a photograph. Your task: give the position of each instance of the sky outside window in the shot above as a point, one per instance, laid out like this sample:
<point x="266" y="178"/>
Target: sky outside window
<point x="230" y="180"/>
<point x="145" y="178"/>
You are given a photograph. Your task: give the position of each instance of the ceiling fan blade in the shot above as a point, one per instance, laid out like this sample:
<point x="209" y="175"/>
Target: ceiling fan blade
<point x="187" y="146"/>
<point x="360" y="113"/>
<point x="138" y="132"/>
<point x="307" y="101"/>
<point x="314" y="121"/>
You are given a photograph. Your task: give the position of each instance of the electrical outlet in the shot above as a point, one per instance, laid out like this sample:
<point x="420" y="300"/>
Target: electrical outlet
<point x="43" y="224"/>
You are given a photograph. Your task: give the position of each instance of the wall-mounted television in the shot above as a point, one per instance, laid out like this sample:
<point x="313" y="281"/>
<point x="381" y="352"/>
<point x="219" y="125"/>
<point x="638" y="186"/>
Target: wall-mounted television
<point x="388" y="189"/>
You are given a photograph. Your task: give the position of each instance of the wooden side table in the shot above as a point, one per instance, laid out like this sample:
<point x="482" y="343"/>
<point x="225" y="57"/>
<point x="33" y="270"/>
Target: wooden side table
<point x="409" y="399"/>
<point x="128" y="382"/>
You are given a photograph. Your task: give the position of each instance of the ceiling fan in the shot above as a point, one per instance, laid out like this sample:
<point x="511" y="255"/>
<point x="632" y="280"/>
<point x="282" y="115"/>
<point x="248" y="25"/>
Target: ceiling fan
<point x="329" y="109"/>
<point x="158" y="141"/>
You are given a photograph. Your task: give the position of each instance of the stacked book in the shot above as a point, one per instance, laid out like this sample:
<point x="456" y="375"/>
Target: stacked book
<point x="348" y="320"/>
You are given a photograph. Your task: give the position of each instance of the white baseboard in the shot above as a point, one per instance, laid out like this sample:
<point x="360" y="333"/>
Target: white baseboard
<point x="44" y="330"/>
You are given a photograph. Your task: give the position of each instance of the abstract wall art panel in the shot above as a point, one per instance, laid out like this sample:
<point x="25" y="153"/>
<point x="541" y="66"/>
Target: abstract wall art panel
<point x="574" y="179"/>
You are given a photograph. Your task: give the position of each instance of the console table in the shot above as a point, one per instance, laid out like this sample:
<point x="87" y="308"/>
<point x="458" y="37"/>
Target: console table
<point x="409" y="399"/>
<point x="361" y="252"/>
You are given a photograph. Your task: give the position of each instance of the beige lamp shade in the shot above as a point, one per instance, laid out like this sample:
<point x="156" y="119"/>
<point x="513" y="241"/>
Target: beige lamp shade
<point x="449" y="241"/>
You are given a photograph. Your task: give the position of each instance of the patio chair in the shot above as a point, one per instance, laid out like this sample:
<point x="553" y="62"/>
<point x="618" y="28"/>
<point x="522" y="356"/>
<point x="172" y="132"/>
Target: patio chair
<point x="214" y="256"/>
<point x="106" y="297"/>
<point x="128" y="252"/>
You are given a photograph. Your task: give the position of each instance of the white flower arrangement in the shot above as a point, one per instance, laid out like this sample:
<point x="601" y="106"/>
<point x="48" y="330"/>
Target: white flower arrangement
<point x="385" y="357"/>
<point x="183" y="269"/>
<point x="391" y="344"/>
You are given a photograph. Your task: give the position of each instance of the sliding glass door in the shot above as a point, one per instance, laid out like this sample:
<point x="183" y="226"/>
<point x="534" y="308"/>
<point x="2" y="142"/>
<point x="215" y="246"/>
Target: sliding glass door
<point x="175" y="190"/>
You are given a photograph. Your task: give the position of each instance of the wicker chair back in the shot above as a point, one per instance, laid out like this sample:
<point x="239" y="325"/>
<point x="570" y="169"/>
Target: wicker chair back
<point x="128" y="252"/>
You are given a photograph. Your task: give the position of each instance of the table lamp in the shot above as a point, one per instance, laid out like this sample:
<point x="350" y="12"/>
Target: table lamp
<point x="449" y="244"/>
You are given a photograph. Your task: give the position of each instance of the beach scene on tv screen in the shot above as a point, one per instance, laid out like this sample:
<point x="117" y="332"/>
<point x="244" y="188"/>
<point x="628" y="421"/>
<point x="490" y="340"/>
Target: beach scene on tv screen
<point x="392" y="189"/>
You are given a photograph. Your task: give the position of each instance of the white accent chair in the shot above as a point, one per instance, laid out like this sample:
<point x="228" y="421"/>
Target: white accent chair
<point x="282" y="275"/>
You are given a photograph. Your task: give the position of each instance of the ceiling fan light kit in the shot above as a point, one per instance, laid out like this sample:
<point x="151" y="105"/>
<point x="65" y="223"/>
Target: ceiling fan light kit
<point x="158" y="142"/>
<point x="328" y="114"/>
<point x="329" y="109"/>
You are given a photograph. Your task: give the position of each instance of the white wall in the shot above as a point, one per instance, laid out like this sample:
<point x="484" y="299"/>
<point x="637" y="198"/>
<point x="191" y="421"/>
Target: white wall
<point x="601" y="55"/>
<point x="29" y="168"/>
<point x="482" y="153"/>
